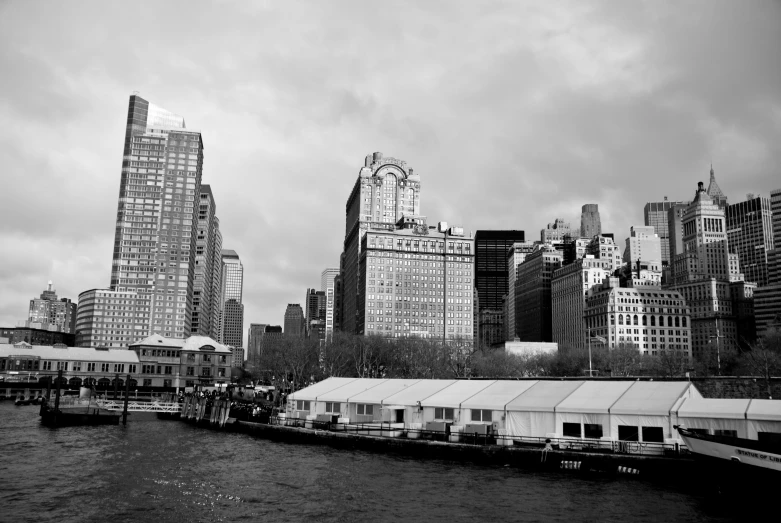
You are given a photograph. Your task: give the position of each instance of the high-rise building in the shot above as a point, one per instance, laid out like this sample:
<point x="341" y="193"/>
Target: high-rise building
<point x="643" y="245"/>
<point x="154" y="241"/>
<point x="327" y="286"/>
<point x="50" y="313"/>
<point x="416" y="281"/>
<point x="556" y="232"/>
<point x="569" y="287"/>
<point x="603" y="247"/>
<point x="107" y="318"/>
<point x="767" y="299"/>
<point x="750" y="235"/>
<point x="257" y="341"/>
<point x="715" y="193"/>
<point x="775" y="207"/>
<point x="315" y="303"/>
<point x="295" y="322"/>
<point x="515" y="256"/>
<point x="590" y="224"/>
<point x="674" y="237"/>
<point x="208" y="269"/>
<point x="533" y="282"/>
<point x="491" y="279"/>
<point x="657" y="215"/>
<point x="386" y="190"/>
<point x="232" y="324"/>
<point x="702" y="275"/>
<point x="649" y="319"/>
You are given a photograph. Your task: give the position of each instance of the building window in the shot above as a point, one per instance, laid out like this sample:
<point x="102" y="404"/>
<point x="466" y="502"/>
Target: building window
<point x="443" y="413"/>
<point x="571" y="430"/>
<point x="365" y="410"/>
<point x="592" y="430"/>
<point x="302" y="405"/>
<point x="481" y="415"/>
<point x="333" y="408"/>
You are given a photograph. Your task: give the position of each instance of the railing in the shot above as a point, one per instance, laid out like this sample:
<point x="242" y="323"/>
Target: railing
<point x="140" y="406"/>
<point x="392" y="430"/>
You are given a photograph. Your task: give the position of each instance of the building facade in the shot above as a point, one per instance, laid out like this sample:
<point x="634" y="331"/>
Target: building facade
<point x="750" y="236"/>
<point x="260" y="334"/>
<point x="643" y="245"/>
<point x="50" y="313"/>
<point x="113" y="319"/>
<point x="650" y="319"/>
<point x="33" y="336"/>
<point x="177" y="363"/>
<point x="327" y="286"/>
<point x="656" y="215"/>
<point x="515" y="256"/>
<point x="715" y="193"/>
<point x="533" y="294"/>
<point x="569" y="286"/>
<point x="232" y="321"/>
<point x="295" y="321"/>
<point x="154" y="241"/>
<point x="386" y="190"/>
<point x="590" y="223"/>
<point x="208" y="269"/>
<point x="315" y="303"/>
<point x="604" y="248"/>
<point x="556" y="232"/>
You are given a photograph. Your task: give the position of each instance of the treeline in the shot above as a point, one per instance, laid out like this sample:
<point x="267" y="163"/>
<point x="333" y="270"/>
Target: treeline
<point x="296" y="362"/>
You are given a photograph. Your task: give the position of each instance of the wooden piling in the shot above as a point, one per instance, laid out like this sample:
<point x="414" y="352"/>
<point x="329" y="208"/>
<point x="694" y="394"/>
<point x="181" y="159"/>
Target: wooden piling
<point x="127" y="394"/>
<point x="116" y="385"/>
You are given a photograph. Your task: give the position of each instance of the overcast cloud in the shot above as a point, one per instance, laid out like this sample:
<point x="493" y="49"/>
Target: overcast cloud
<point x="513" y="114"/>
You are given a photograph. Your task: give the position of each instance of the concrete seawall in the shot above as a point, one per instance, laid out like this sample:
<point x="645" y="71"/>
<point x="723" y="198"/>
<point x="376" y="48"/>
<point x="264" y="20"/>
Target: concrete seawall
<point x="522" y="457"/>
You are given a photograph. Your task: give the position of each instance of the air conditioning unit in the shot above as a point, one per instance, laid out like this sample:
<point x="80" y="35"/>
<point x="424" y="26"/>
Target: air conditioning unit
<point x="477" y="429"/>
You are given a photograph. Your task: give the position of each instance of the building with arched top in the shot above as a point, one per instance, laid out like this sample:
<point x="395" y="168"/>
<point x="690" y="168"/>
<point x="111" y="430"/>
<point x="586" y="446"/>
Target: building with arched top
<point x="176" y="363"/>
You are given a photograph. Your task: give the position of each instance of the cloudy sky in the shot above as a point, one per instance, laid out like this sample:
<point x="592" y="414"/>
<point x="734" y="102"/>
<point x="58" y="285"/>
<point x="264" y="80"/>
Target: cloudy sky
<point x="513" y="113"/>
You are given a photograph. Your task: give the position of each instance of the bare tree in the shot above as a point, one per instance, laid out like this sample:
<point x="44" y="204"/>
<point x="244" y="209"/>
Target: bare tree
<point x="764" y="358"/>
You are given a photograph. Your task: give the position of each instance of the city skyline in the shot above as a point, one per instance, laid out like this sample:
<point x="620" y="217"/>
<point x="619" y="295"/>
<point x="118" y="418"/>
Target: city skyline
<point x="639" y="119"/>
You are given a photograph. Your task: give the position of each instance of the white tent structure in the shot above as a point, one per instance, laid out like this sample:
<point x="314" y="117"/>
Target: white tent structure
<point x="533" y="412"/>
<point x="648" y="406"/>
<point x="715" y="416"/>
<point x="763" y="417"/>
<point x="304" y="401"/>
<point x="369" y="402"/>
<point x="338" y="398"/>
<point x="589" y="409"/>
<point x="451" y="398"/>
<point x="495" y="398"/>
<point x="410" y="399"/>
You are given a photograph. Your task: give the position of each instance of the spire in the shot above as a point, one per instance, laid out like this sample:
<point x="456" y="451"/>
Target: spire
<point x="714" y="191"/>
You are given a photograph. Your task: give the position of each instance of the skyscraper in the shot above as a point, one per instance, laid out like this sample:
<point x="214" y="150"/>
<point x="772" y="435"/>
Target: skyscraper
<point x="767" y="298"/>
<point x="590" y="224"/>
<point x="492" y="278"/>
<point x="750" y="235"/>
<point x="295" y="322"/>
<point x="656" y="215"/>
<point x="315" y="313"/>
<point x="208" y="269"/>
<point x="556" y="232"/>
<point x="154" y="244"/>
<point x="515" y="256"/>
<point x="643" y="245"/>
<point x="533" y="308"/>
<point x="327" y="286"/>
<point x="232" y="305"/>
<point x="715" y="193"/>
<point x="257" y="340"/>
<point x="385" y="191"/>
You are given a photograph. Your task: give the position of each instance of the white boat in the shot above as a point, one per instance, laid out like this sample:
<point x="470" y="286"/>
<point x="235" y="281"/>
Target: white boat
<point x="764" y="455"/>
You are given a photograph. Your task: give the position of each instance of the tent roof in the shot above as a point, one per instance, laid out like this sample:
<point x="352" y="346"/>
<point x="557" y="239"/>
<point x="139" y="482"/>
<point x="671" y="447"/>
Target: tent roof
<point x="594" y="396"/>
<point x="713" y="408"/>
<point x="346" y="392"/>
<point x="650" y="397"/>
<point x="86" y="354"/>
<point x="543" y="396"/>
<point x="417" y="392"/>
<point x="498" y="394"/>
<point x="382" y="391"/>
<point x="764" y="410"/>
<point x="311" y="392"/>
<point x="453" y="396"/>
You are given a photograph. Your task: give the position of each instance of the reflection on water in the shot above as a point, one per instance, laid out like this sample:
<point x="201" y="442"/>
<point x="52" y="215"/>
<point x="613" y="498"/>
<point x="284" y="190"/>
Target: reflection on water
<point x="170" y="471"/>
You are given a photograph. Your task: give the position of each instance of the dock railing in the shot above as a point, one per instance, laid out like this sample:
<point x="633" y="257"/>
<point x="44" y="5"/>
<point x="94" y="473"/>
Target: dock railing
<point x="392" y="430"/>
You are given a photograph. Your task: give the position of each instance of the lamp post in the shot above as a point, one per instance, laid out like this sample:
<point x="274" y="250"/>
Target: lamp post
<point x="718" y="353"/>
<point x="599" y="339"/>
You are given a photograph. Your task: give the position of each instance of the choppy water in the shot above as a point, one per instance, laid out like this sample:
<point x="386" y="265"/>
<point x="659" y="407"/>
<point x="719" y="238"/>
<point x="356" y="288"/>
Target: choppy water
<point x="170" y="471"/>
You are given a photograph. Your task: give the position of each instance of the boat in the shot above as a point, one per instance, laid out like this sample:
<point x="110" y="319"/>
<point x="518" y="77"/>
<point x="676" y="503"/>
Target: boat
<point x="736" y="451"/>
<point x="68" y="417"/>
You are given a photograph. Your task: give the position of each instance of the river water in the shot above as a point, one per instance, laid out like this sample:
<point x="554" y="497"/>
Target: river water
<point x="163" y="471"/>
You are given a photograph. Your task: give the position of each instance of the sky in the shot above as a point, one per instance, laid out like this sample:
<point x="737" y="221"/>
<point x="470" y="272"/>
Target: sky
<point x="512" y="113"/>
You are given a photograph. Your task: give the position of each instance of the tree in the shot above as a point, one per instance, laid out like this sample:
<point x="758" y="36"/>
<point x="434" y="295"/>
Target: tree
<point x="671" y="363"/>
<point x="764" y="358"/>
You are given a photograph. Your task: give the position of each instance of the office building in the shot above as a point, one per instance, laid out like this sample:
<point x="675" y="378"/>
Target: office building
<point x="750" y="236"/>
<point x="232" y="324"/>
<point x="556" y="232"/>
<point x="573" y="249"/>
<point x="674" y="237"/>
<point x="416" y="280"/>
<point x="295" y="321"/>
<point x="590" y="224"/>
<point x="657" y="215"/>
<point x="327" y="286"/>
<point x="112" y="319"/>
<point x="643" y="245"/>
<point x="34" y="336"/>
<point x="603" y="247"/>
<point x="154" y="241"/>
<point x="533" y="291"/>
<point x="237" y="356"/>
<point x="315" y="304"/>
<point x="491" y="279"/>
<point x="515" y="256"/>
<point x="386" y="190"/>
<point x="703" y="272"/>
<point x="569" y="287"/>
<point x="207" y="307"/>
<point x="259" y="336"/>
<point x="50" y="313"/>
<point x="649" y="319"/>
<point x="715" y="193"/>
<point x="491" y="328"/>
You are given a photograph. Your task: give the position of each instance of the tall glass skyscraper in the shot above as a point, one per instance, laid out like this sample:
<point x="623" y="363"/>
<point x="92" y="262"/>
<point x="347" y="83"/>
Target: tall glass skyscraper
<point x="153" y="257"/>
<point x="233" y="308"/>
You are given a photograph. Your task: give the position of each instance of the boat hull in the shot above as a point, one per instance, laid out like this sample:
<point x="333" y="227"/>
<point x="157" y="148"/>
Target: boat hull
<point x="732" y="450"/>
<point x="72" y="419"/>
